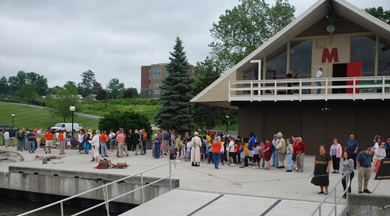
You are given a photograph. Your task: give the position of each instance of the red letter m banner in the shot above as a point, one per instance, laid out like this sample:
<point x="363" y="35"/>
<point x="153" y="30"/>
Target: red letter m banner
<point x="333" y="55"/>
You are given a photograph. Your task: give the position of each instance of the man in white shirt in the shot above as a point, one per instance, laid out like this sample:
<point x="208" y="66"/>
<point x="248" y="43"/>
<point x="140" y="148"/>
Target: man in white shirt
<point x="318" y="76"/>
<point x="231" y="151"/>
<point x="195" y="150"/>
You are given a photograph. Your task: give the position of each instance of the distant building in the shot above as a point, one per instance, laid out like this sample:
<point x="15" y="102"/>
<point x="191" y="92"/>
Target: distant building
<point x="91" y="97"/>
<point x="151" y="77"/>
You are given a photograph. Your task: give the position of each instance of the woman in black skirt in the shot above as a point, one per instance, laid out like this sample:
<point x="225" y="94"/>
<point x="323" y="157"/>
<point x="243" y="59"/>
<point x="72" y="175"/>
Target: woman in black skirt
<point x="321" y="170"/>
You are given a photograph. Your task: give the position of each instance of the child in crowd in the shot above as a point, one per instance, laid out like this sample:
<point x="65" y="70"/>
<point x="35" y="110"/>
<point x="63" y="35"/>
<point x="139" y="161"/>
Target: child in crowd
<point x="68" y="141"/>
<point x="177" y="147"/>
<point x="171" y="152"/>
<point x="210" y="154"/>
<point x="225" y="145"/>
<point x="205" y="149"/>
<point x="262" y="147"/>
<point x="256" y="157"/>
<point x="188" y="150"/>
<point x="246" y="151"/>
<point x="235" y="151"/>
<point x="222" y="151"/>
<point x="267" y="153"/>
<point x="240" y="145"/>
<point x="289" y="152"/>
<point x="242" y="155"/>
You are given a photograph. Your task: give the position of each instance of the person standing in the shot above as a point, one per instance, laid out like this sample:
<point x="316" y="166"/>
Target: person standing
<point x="112" y="140"/>
<point x="81" y="141"/>
<point x="21" y="138"/>
<point x="289" y="152"/>
<point x="6" y="138"/>
<point x="217" y="146"/>
<point x="124" y="143"/>
<point x="336" y="151"/>
<point x="301" y="149"/>
<point x="62" y="143"/>
<point x="347" y="167"/>
<point x="275" y="155"/>
<point x="319" y="76"/>
<point x="352" y="147"/>
<point x="196" y="143"/>
<point x="380" y="154"/>
<point x="144" y="138"/>
<point x="157" y="147"/>
<point x="281" y="149"/>
<point x="49" y="141"/>
<point x="12" y="135"/>
<point x="289" y="76"/>
<point x="39" y="136"/>
<point x="103" y="146"/>
<point x="136" y="141"/>
<point x="95" y="146"/>
<point x="267" y="153"/>
<point x="120" y="140"/>
<point x="364" y="160"/>
<point x="321" y="170"/>
<point x="30" y="140"/>
<point x="176" y="147"/>
<point x="165" y="141"/>
<point x="387" y="147"/>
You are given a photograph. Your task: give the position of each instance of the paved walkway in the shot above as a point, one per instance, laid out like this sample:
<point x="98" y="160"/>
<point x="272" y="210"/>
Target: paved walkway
<point x="202" y="203"/>
<point x="274" y="183"/>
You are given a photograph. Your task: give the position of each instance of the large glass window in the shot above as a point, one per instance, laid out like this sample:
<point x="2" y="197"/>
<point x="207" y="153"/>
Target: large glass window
<point x="157" y="73"/>
<point x="277" y="64"/>
<point x="363" y="50"/>
<point x="156" y="85"/>
<point x="384" y="57"/>
<point x="300" y="58"/>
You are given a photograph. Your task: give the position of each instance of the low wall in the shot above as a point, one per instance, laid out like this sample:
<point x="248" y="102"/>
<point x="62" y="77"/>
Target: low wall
<point x="68" y="183"/>
<point x="368" y="205"/>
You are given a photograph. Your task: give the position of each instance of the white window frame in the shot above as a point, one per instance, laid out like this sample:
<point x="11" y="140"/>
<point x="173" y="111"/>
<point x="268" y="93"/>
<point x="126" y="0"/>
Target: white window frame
<point x="156" y="92"/>
<point x="157" y="73"/>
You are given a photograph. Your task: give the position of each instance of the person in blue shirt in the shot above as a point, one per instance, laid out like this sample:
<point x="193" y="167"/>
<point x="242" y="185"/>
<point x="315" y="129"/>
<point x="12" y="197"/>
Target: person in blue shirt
<point x="364" y="161"/>
<point x="157" y="146"/>
<point x="352" y="147"/>
<point x="252" y="140"/>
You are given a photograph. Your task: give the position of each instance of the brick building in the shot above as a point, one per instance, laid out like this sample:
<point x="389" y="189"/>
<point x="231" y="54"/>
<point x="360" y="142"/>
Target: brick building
<point x="151" y="79"/>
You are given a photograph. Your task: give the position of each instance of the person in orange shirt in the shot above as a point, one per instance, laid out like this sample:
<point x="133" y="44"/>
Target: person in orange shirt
<point x="120" y="140"/>
<point x="103" y="145"/>
<point x="62" y="143"/>
<point x="216" y="151"/>
<point x="49" y="141"/>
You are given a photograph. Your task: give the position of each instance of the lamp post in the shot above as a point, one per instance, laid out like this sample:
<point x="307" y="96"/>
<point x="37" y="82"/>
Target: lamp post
<point x="13" y="117"/>
<point x="227" y="123"/>
<point x="72" y="109"/>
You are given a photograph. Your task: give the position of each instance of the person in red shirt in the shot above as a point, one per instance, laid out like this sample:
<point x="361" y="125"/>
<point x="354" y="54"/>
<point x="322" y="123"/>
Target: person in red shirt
<point x="216" y="151"/>
<point x="103" y="145"/>
<point x="301" y="149"/>
<point x="49" y="141"/>
<point x="62" y="143"/>
<point x="267" y="153"/>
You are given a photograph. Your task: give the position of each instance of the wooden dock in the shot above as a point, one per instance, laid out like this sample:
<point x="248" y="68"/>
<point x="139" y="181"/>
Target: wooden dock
<point x="184" y="202"/>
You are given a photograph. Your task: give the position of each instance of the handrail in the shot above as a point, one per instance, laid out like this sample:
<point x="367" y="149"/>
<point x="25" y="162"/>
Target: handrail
<point x="346" y="175"/>
<point x="267" y="90"/>
<point x="105" y="186"/>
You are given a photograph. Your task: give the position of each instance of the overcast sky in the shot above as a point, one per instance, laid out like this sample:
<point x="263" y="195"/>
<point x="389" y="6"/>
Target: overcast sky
<point x="61" y="39"/>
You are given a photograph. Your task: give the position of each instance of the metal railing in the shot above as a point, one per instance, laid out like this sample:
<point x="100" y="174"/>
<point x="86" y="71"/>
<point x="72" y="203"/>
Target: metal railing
<point x="336" y="199"/>
<point x="105" y="191"/>
<point x="372" y="87"/>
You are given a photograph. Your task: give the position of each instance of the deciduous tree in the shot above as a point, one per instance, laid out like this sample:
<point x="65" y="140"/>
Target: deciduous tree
<point x="379" y="13"/>
<point x="27" y="93"/>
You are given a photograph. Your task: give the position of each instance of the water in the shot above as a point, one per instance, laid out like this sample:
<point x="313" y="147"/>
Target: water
<point x="12" y="206"/>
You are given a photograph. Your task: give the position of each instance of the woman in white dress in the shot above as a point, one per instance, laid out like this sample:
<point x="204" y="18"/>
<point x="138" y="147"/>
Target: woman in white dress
<point x="95" y="146"/>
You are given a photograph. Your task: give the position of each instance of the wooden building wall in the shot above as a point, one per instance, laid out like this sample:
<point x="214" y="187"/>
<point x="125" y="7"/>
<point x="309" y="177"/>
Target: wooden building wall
<point x="315" y="126"/>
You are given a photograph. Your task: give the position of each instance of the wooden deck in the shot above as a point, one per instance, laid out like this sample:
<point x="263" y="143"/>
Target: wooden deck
<point x="183" y="202"/>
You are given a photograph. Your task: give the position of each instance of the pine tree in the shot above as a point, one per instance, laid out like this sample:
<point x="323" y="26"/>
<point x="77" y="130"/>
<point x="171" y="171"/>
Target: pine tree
<point x="176" y="112"/>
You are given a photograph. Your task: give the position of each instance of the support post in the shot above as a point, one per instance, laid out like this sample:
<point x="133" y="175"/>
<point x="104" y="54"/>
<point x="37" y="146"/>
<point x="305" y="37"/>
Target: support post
<point x="142" y="188"/>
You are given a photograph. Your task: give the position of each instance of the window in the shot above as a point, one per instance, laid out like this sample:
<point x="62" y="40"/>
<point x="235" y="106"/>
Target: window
<point x="363" y="50"/>
<point x="384" y="57"/>
<point x="156" y="92"/>
<point x="157" y="73"/>
<point x="157" y="85"/>
<point x="277" y="64"/>
<point x="300" y="58"/>
<point x="149" y="86"/>
<point x="150" y="74"/>
<point x="150" y="93"/>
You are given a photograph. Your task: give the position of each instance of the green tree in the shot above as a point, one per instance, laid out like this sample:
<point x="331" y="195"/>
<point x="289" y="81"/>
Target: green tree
<point x="60" y="99"/>
<point x="101" y="95"/>
<point x="21" y="78"/>
<point x="244" y="28"/>
<point x="4" y="88"/>
<point x="87" y="82"/>
<point x="115" y="86"/>
<point x="96" y="87"/>
<point x="41" y="86"/>
<point x="176" y="112"/>
<point x="27" y="93"/>
<point x="379" y="13"/>
<point x="206" y="73"/>
<point x="13" y="85"/>
<point x="125" y="119"/>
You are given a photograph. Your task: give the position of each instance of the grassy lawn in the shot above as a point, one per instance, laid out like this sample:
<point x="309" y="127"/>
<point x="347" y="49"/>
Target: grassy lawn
<point x="36" y="118"/>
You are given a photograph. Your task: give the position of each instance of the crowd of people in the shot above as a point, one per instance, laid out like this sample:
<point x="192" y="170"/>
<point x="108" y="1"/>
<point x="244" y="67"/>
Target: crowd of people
<point x="217" y="148"/>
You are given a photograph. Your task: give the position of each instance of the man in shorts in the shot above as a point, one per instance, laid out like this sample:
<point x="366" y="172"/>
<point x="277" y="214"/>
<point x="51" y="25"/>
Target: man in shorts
<point x="49" y="141"/>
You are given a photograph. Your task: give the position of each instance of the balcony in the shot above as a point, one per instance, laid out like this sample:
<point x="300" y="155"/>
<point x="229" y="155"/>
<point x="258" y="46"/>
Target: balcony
<point x="338" y="88"/>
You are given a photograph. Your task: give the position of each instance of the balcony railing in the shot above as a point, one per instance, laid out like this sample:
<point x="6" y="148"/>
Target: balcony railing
<point x="339" y="88"/>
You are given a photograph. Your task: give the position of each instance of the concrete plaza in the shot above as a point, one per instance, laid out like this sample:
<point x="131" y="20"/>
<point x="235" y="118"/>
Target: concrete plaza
<point x="273" y="183"/>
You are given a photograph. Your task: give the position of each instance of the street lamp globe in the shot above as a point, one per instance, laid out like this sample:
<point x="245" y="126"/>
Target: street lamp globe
<point x="13" y="115"/>
<point x="72" y="108"/>
<point x="227" y="116"/>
